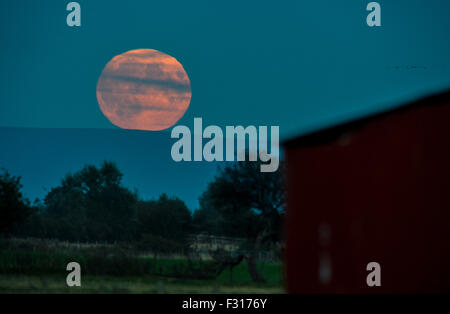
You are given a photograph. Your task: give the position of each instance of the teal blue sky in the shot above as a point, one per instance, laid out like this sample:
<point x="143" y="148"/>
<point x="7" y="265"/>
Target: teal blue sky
<point x="300" y="64"/>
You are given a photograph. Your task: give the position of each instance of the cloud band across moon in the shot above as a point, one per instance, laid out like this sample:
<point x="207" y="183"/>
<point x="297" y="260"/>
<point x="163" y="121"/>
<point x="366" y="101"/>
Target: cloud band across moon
<point x="144" y="90"/>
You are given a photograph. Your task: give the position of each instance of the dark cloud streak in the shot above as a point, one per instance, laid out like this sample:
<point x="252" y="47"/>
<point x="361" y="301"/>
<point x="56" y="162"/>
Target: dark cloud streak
<point x="163" y="85"/>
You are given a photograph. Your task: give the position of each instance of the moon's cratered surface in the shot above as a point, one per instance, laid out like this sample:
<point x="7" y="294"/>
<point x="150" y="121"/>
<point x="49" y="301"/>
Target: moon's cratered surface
<point x="144" y="89"/>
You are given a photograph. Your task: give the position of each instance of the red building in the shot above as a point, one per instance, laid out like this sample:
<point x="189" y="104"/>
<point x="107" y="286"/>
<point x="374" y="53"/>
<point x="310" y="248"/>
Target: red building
<point x="372" y="190"/>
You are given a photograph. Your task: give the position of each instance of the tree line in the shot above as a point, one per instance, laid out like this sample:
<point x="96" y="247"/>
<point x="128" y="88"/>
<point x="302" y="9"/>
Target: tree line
<point x="93" y="205"/>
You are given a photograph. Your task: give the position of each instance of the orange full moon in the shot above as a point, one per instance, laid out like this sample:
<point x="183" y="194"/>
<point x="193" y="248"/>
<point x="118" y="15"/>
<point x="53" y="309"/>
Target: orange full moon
<point x="144" y="89"/>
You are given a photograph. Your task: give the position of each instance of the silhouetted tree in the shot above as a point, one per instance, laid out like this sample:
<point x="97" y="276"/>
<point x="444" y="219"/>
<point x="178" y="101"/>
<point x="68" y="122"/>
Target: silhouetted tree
<point x="168" y="218"/>
<point x="241" y="190"/>
<point x="210" y="219"/>
<point x="92" y="204"/>
<point x="14" y="208"/>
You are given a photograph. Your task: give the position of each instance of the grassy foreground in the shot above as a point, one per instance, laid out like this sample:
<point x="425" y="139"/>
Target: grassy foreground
<point x="20" y="283"/>
<point x="37" y="267"/>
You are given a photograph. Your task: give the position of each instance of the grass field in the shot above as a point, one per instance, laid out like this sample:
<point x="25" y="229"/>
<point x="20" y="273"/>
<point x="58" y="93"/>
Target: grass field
<point x="35" y="267"/>
<point x="21" y="283"/>
<point x="146" y="284"/>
